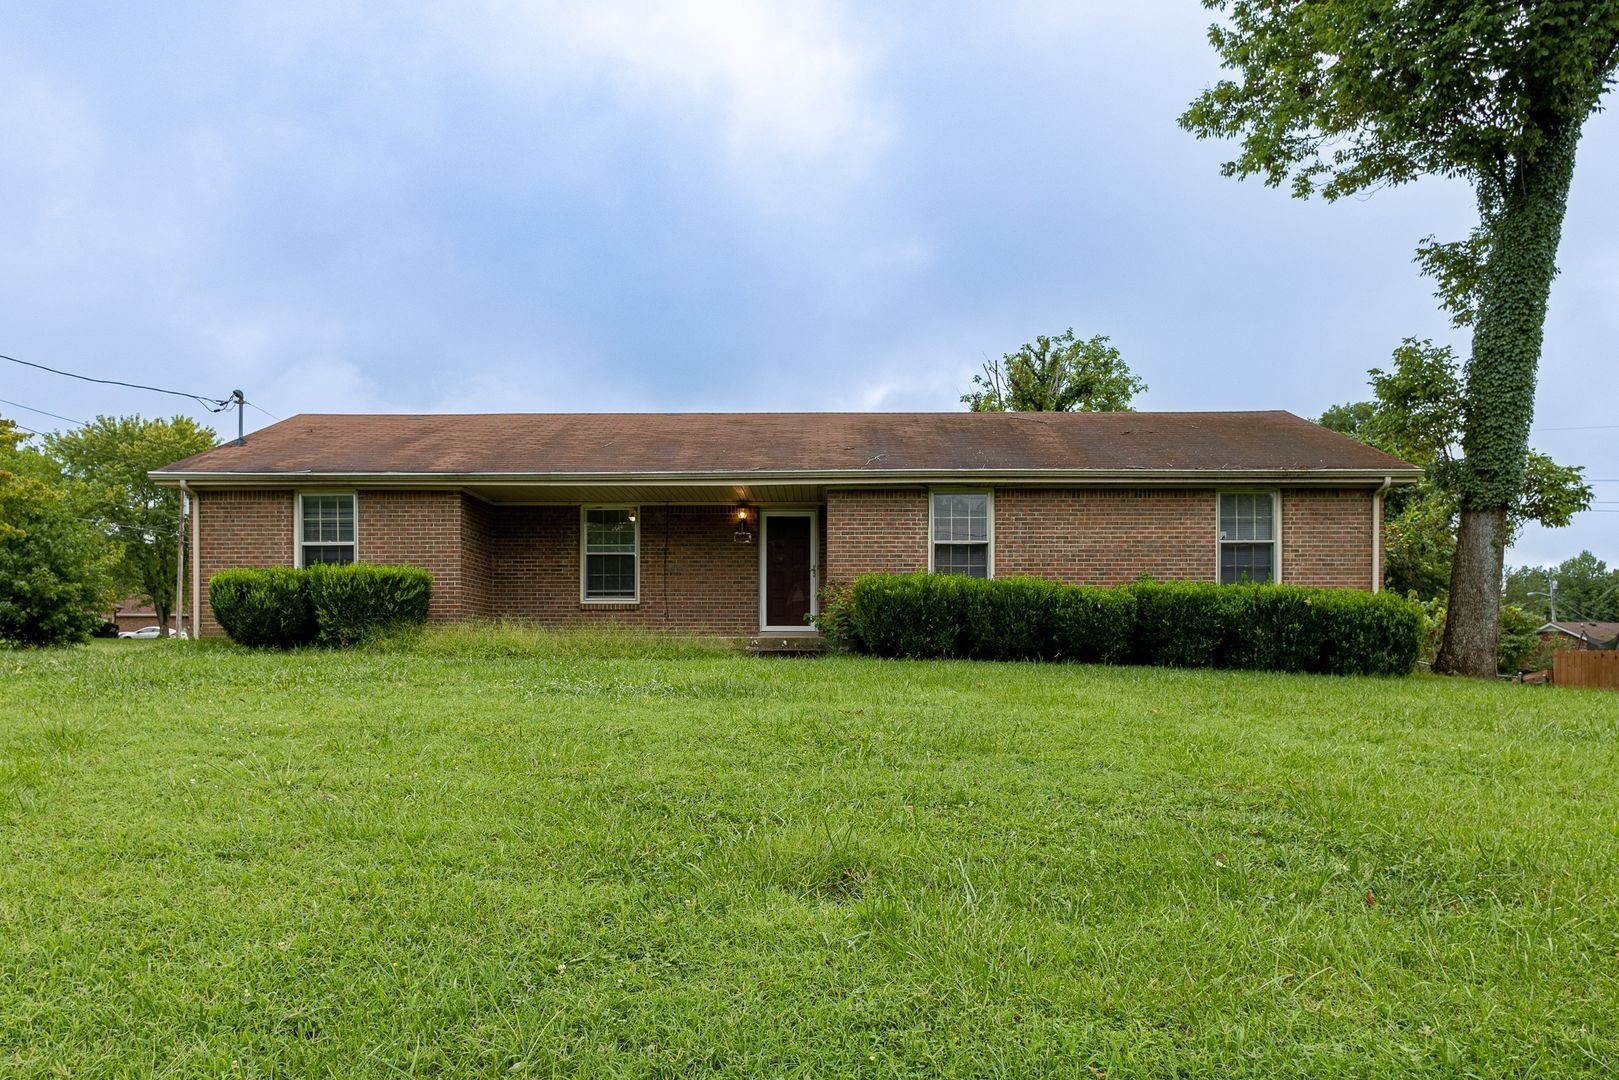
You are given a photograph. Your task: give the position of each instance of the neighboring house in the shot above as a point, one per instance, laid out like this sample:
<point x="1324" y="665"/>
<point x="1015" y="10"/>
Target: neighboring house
<point x="1580" y="635"/>
<point x="728" y="522"/>
<point x="134" y="612"/>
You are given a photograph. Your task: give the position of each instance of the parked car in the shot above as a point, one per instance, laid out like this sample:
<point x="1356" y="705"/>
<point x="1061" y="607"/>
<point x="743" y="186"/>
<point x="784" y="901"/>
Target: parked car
<point x="147" y="632"/>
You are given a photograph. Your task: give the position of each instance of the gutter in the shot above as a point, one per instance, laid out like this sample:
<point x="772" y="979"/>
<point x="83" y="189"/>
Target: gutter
<point x="865" y="478"/>
<point x="1377" y="533"/>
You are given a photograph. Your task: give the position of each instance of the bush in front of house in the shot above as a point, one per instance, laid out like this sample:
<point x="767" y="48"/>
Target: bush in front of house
<point x="1174" y="624"/>
<point x="360" y="600"/>
<point x="264" y="607"/>
<point x="279" y="607"/>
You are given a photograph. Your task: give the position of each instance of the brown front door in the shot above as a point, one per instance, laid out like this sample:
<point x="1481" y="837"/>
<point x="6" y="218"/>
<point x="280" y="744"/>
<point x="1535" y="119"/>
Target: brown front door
<point x="789" y="562"/>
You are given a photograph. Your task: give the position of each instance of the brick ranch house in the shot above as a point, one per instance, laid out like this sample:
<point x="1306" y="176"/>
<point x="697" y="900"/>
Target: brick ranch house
<point x="727" y="523"/>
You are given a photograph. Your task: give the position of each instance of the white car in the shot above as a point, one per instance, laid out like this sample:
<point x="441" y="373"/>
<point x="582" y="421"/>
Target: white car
<point x="146" y="632"/>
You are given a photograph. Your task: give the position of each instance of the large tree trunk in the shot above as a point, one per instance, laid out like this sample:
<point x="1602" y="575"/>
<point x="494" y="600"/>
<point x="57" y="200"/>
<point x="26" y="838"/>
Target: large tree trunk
<point x="1500" y="396"/>
<point x="163" y="614"/>
<point x="1472" y="620"/>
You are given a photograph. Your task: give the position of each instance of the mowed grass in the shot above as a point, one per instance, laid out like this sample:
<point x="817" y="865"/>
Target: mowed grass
<point x="493" y="853"/>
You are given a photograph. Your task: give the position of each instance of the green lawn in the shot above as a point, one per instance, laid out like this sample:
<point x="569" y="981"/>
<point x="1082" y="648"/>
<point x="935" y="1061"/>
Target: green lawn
<point x="478" y="855"/>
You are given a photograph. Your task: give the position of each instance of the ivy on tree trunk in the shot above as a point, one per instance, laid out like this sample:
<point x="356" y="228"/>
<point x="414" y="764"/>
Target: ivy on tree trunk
<point x="1500" y="396"/>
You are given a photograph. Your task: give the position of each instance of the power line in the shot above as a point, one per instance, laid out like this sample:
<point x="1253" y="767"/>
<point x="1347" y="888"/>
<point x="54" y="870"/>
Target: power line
<point x="263" y="410"/>
<point x="211" y="404"/>
<point x="1582" y="427"/>
<point x="43" y="412"/>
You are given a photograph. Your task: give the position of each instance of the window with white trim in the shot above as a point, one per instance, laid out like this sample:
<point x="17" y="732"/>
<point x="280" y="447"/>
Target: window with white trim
<point x="611" y="549"/>
<point x="1247" y="536"/>
<point x="961" y="533"/>
<point x="325" y="529"/>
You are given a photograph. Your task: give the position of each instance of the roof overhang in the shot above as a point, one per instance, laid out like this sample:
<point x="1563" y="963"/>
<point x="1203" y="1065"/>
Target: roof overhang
<point x="725" y="486"/>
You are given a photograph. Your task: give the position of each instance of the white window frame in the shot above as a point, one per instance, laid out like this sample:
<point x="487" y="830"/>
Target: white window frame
<point x="298" y="521"/>
<point x="989" y="532"/>
<point x="584" y="561"/>
<point x="1275" y="531"/>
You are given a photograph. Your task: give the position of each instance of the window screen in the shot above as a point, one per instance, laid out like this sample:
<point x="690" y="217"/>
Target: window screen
<point x="326" y="529"/>
<point x="961" y="533"/>
<point x="1247" y="537"/>
<point x="610" y="553"/>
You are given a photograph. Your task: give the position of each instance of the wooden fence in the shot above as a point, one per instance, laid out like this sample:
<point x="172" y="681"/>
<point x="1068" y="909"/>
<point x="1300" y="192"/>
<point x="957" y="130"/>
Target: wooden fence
<point x="1598" y="670"/>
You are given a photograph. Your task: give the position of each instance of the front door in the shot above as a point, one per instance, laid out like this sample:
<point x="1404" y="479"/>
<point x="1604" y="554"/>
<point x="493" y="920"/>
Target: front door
<point x="787" y="560"/>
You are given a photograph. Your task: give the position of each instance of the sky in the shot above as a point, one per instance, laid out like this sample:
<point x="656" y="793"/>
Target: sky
<point x="702" y="206"/>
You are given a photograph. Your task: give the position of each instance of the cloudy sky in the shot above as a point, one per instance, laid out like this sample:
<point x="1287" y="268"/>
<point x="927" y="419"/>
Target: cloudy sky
<point x="665" y="206"/>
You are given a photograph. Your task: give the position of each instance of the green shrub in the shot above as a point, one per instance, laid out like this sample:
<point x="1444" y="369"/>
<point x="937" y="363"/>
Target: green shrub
<point x="1092" y="625"/>
<point x="1267" y="627"/>
<point x="1364" y="633"/>
<point x="264" y="606"/>
<point x="357" y="601"/>
<point x="1179" y="623"/>
<point x="1003" y="618"/>
<point x="835" y="615"/>
<point x="906" y="615"/>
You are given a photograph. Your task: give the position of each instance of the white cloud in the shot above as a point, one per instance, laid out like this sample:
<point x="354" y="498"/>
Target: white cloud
<point x="783" y="86"/>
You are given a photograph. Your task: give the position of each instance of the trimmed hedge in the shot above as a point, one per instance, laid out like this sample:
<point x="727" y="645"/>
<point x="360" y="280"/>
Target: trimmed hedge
<point x="356" y="601"/>
<point x="1177" y="624"/>
<point x="263" y="607"/>
<point x="279" y="607"/>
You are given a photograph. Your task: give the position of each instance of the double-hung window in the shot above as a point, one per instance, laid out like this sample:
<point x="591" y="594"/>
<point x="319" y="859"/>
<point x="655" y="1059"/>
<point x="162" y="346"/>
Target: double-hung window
<point x="1247" y="537"/>
<point x="962" y="530"/>
<point x="325" y="529"/>
<point x="611" y="545"/>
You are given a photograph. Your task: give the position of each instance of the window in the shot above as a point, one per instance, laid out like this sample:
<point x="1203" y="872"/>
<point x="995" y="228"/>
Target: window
<point x="961" y="533"/>
<point x="1247" y="537"/>
<point x="611" y="541"/>
<point x="325" y="529"/>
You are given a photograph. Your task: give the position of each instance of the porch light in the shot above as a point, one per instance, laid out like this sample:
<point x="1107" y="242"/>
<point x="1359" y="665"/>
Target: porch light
<point x="632" y="517"/>
<point x="743" y="534"/>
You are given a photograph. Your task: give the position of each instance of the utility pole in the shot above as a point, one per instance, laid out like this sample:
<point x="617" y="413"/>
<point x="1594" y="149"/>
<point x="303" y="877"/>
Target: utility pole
<point x="240" y="402"/>
<point x="1551" y="595"/>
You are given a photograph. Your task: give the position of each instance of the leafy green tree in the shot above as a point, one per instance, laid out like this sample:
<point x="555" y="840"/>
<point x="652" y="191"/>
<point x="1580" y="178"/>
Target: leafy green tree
<point x="1339" y="97"/>
<point x="107" y="464"/>
<point x="54" y="567"/>
<point x="1413" y="416"/>
<point x="1056" y="374"/>
<point x="1587" y="590"/>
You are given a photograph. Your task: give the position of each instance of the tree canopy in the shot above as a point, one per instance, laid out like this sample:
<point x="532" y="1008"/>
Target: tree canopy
<point x="1412" y="415"/>
<point x="55" y="568"/>
<point x="106" y="464"/>
<point x="1057" y="374"/>
<point x="1587" y="590"/>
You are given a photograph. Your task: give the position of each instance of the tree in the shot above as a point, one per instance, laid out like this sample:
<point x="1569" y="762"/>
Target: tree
<point x="1339" y="97"/>
<point x="1056" y="374"/>
<point x="1413" y="416"/>
<point x="1587" y="591"/>
<point x="54" y="567"/>
<point x="107" y="463"/>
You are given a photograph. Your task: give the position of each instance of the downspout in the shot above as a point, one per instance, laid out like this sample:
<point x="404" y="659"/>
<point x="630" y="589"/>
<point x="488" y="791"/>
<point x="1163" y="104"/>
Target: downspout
<point x="1377" y="534"/>
<point x="196" y="570"/>
<point x="180" y="562"/>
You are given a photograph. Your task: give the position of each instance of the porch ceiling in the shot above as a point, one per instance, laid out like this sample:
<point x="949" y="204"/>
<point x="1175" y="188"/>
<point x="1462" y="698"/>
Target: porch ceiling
<point x="650" y="495"/>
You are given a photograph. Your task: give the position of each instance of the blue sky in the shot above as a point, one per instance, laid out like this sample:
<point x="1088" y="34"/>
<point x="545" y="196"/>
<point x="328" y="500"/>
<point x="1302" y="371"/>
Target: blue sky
<point x="652" y="206"/>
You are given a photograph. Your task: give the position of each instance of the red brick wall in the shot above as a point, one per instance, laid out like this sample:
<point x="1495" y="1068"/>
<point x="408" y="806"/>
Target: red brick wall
<point x="476" y="565"/>
<point x="239" y="528"/>
<point x="1327" y="537"/>
<point x="875" y="532"/>
<point x="421" y="528"/>
<point x="694" y="577"/>
<point x="1105" y="536"/>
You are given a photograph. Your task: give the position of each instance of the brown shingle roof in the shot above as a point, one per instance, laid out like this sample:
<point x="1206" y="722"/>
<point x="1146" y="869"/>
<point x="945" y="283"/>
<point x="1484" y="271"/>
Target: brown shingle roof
<point x="741" y="444"/>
